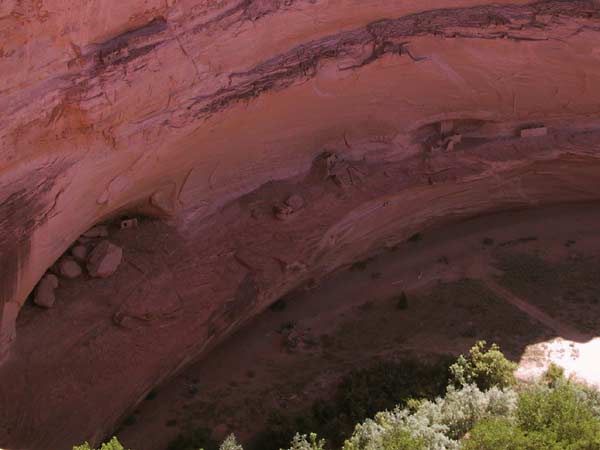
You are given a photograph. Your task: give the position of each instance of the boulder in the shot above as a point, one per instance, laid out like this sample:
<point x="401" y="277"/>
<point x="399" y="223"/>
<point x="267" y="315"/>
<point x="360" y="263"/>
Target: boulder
<point x="69" y="268"/>
<point x="79" y="252"/>
<point x="104" y="259"/>
<point x="295" y="202"/>
<point x="97" y="231"/>
<point x="44" y="292"/>
<point x="283" y="212"/>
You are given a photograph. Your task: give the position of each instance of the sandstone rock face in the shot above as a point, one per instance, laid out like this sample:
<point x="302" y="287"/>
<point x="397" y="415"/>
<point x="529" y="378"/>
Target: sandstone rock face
<point x="210" y="113"/>
<point x="104" y="260"/>
<point x="98" y="231"/>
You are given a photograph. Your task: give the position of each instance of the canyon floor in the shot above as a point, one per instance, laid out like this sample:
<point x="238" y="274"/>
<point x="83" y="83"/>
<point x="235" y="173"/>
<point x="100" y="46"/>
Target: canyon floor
<point x="527" y="280"/>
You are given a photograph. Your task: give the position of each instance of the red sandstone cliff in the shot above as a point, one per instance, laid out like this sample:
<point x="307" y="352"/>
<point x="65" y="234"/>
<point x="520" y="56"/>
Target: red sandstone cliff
<point x="210" y="113"/>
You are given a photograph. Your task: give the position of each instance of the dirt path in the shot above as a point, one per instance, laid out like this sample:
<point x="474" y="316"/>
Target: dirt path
<point x="561" y="329"/>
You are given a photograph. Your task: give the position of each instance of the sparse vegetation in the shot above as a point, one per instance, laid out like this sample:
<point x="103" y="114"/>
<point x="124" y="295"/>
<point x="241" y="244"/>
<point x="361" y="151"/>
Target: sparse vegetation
<point x="279" y="305"/>
<point x="402" y="301"/>
<point x="417" y="237"/>
<point x="360" y="265"/>
<point x="113" y="444"/>
<point x="481" y="410"/>
<point x="130" y="420"/>
<point x="151" y="395"/>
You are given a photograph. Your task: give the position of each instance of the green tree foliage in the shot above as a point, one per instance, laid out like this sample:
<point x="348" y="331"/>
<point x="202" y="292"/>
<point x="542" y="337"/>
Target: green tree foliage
<point x="437" y="425"/>
<point x="230" y="443"/>
<point x="484" y="367"/>
<point x="113" y="444"/>
<point x="502" y="434"/>
<point x="558" y="412"/>
<point x="460" y="409"/>
<point x="304" y="442"/>
<point x="554" y="375"/>
<point x="546" y="418"/>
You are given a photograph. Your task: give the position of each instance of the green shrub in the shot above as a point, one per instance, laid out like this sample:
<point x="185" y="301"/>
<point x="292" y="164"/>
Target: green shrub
<point x="402" y="440"/>
<point x="554" y="375"/>
<point x="548" y="419"/>
<point x="113" y="444"/>
<point x="398" y="424"/>
<point x="502" y="434"/>
<point x="230" y="443"/>
<point x="435" y="425"/>
<point x="461" y="409"/>
<point x="402" y="301"/>
<point x="415" y="237"/>
<point x="485" y="368"/>
<point x="589" y="396"/>
<point x="303" y="442"/>
<point x="558" y="412"/>
<point x="383" y="434"/>
<point x="279" y="305"/>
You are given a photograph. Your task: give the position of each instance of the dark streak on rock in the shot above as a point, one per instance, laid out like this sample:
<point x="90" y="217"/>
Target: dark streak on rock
<point x="389" y="36"/>
<point x="244" y="302"/>
<point x="21" y="213"/>
<point x="251" y="10"/>
<point x="128" y="45"/>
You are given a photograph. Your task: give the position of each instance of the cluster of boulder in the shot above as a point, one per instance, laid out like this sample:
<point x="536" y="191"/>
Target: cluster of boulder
<point x="101" y="262"/>
<point x="292" y="204"/>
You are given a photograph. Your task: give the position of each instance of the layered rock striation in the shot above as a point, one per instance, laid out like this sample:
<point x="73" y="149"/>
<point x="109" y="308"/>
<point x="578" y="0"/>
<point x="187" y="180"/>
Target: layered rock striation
<point x="213" y="115"/>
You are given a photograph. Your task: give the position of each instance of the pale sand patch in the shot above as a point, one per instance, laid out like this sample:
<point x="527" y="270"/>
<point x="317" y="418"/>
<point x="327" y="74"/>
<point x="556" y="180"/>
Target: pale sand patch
<point x="581" y="361"/>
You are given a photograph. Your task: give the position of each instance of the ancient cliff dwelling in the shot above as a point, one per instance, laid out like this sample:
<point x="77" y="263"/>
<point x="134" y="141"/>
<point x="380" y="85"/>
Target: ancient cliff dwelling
<point x="257" y="224"/>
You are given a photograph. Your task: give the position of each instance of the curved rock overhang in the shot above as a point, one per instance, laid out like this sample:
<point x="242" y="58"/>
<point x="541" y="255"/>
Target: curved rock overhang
<point x="206" y="112"/>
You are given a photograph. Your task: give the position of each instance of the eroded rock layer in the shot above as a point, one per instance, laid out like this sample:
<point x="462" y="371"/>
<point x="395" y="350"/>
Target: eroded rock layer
<point x="282" y="139"/>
